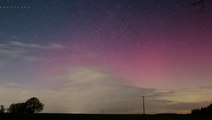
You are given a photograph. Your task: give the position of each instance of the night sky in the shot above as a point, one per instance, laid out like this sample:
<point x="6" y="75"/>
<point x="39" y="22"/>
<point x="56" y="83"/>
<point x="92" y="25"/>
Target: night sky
<point x="84" y="56"/>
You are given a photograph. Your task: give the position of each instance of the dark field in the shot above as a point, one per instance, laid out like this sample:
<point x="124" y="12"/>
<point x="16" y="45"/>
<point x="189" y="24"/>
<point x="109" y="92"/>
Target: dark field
<point x="102" y="117"/>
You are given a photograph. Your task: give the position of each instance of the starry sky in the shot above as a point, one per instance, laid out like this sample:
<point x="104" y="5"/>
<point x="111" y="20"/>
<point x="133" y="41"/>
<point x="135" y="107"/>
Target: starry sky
<point x="84" y="56"/>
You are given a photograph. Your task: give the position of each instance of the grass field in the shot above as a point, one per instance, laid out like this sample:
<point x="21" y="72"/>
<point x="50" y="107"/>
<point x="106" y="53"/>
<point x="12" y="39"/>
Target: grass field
<point x="48" y="116"/>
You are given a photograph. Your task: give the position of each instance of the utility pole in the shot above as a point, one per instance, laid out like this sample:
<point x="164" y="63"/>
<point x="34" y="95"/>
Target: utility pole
<point x="143" y="105"/>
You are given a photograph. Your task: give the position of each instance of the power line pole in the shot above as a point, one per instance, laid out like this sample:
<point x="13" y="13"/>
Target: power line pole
<point x="143" y="104"/>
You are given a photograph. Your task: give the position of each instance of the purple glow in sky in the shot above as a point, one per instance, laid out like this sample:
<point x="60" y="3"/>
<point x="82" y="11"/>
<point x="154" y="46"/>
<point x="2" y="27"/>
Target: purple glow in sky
<point x="88" y="55"/>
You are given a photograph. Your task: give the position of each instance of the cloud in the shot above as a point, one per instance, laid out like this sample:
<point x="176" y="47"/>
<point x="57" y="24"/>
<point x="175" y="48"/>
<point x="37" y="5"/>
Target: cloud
<point x="15" y="50"/>
<point x="17" y="54"/>
<point x="2" y="45"/>
<point x="55" y="46"/>
<point x="12" y="53"/>
<point x="189" y="95"/>
<point x="90" y="90"/>
<point x="81" y="90"/>
<point x="21" y="44"/>
<point x="36" y="46"/>
<point x="34" y="58"/>
<point x="2" y="63"/>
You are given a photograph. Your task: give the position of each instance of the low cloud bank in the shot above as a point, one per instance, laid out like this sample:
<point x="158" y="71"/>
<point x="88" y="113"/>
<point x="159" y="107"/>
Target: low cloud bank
<point x="90" y="90"/>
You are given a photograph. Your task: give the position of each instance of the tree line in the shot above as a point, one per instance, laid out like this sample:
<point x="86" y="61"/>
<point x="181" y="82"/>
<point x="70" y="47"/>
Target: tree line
<point x="203" y="110"/>
<point x="32" y="105"/>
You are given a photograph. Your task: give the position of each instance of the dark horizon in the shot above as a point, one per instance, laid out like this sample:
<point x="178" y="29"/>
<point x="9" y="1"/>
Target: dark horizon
<point x="103" y="117"/>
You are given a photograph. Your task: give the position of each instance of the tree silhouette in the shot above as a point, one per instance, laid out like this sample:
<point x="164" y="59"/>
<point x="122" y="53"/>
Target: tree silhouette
<point x="2" y="109"/>
<point x="204" y="110"/>
<point x="17" y="108"/>
<point x="32" y="105"/>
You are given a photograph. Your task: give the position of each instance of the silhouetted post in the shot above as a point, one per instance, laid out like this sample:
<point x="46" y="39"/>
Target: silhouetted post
<point x="101" y="111"/>
<point x="143" y="105"/>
